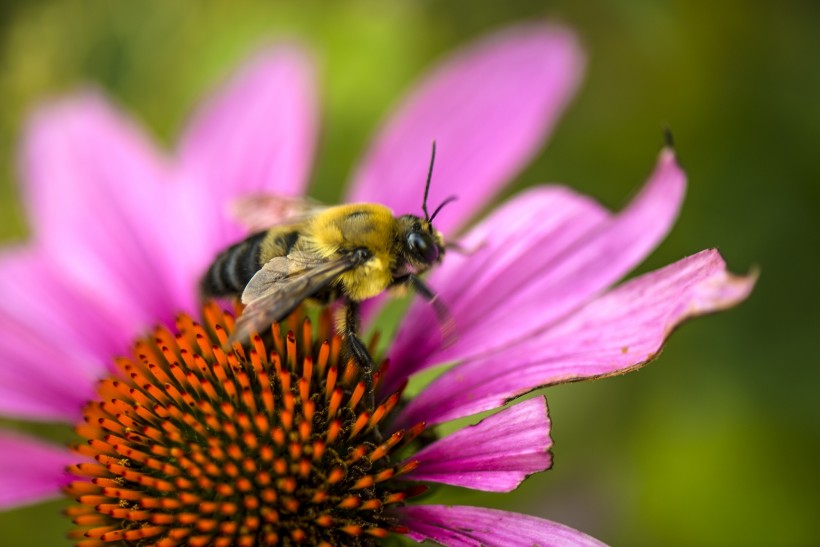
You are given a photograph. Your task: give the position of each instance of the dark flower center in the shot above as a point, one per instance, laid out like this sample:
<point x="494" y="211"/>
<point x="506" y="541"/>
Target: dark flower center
<point x="270" y="443"/>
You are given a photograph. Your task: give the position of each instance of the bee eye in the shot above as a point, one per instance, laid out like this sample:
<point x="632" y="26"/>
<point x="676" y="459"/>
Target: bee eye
<point x="422" y="247"/>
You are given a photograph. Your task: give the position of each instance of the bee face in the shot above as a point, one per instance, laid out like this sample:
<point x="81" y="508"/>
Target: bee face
<point x="424" y="246"/>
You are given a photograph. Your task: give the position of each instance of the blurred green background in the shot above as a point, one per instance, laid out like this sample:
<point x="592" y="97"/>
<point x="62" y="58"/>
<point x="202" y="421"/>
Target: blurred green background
<point x="717" y="443"/>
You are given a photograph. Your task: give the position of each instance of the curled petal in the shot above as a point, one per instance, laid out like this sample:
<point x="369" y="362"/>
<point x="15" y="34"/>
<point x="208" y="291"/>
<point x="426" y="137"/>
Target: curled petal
<point x="31" y="471"/>
<point x="462" y="526"/>
<point x="494" y="455"/>
<point x="616" y="333"/>
<point x="489" y="108"/>
<point x="537" y="258"/>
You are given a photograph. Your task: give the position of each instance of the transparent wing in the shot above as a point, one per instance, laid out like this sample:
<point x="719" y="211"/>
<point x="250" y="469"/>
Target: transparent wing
<point x="283" y="283"/>
<point x="257" y="212"/>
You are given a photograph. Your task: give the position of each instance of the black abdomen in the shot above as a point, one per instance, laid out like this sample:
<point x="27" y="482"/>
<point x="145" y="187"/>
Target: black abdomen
<point x="234" y="267"/>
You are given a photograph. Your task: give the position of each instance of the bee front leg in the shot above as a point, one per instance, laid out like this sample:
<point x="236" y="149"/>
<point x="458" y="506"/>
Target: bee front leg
<point x="358" y="350"/>
<point x="445" y="320"/>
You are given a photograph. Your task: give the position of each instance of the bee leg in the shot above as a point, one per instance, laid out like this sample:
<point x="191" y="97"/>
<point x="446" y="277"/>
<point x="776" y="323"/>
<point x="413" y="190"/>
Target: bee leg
<point x="358" y="350"/>
<point x="445" y="319"/>
<point x="458" y="248"/>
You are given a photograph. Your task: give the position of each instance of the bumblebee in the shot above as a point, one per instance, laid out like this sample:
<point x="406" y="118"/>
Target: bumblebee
<point x="347" y="252"/>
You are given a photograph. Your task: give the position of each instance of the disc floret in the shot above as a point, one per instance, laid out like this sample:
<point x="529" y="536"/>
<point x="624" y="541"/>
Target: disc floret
<point x="198" y="443"/>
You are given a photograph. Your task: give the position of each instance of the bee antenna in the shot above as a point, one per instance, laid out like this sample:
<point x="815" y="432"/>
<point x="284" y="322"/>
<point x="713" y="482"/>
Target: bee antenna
<point x="440" y="207"/>
<point x="427" y="186"/>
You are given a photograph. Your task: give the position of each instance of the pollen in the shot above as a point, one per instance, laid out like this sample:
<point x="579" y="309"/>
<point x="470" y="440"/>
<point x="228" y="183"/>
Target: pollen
<point x="192" y="442"/>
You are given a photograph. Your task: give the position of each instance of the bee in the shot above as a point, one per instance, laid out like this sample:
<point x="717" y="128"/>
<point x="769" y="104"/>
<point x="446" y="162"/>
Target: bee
<point x="346" y="253"/>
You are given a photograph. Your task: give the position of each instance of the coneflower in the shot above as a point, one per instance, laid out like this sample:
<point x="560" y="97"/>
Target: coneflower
<point x="193" y="443"/>
<point x="188" y="440"/>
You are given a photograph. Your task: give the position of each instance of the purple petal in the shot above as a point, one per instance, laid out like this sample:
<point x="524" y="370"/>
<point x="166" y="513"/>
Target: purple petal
<point x="95" y="195"/>
<point x="538" y="258"/>
<point x="31" y="471"/>
<point x="256" y="135"/>
<point x="618" y="332"/>
<point x="477" y="526"/>
<point x="489" y="107"/>
<point x="55" y="341"/>
<point x="494" y="455"/>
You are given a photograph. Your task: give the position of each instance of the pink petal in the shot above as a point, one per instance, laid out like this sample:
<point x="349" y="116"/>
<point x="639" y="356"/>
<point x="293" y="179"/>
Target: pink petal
<point x="494" y="455"/>
<point x="459" y="526"/>
<point x="31" y="471"/>
<point x="538" y="258"/>
<point x="490" y="107"/>
<point x="55" y="341"/>
<point x="618" y="332"/>
<point x="256" y="135"/>
<point x="94" y="190"/>
<point x="30" y="390"/>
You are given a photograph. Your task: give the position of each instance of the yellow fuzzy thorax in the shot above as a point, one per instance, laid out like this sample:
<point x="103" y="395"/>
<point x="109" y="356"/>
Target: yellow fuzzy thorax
<point x="362" y="225"/>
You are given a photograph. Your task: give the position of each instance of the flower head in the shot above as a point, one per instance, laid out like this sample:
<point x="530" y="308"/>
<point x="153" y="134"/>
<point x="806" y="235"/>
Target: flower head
<point x="269" y="443"/>
<point x="197" y="444"/>
<point x="122" y="234"/>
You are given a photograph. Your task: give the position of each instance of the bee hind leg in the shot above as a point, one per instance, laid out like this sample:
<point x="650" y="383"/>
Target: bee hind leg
<point x="358" y="350"/>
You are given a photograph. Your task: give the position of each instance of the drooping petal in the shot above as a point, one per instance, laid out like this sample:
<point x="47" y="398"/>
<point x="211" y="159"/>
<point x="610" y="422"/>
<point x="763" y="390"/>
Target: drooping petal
<point x="494" y="455"/>
<point x="459" y="526"/>
<point x="256" y="135"/>
<point x="31" y="471"/>
<point x="618" y="332"/>
<point x="489" y="108"/>
<point x="538" y="258"/>
<point x="55" y="341"/>
<point x="94" y="188"/>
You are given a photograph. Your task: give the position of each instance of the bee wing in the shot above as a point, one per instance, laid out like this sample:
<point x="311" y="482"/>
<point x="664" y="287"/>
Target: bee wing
<point x="277" y="273"/>
<point x="283" y="283"/>
<point x="257" y="212"/>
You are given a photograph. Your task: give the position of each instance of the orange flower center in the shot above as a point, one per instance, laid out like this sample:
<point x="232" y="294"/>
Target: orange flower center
<point x="197" y="443"/>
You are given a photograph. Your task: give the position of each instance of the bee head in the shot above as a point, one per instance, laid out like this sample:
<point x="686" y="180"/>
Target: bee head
<point x="425" y="243"/>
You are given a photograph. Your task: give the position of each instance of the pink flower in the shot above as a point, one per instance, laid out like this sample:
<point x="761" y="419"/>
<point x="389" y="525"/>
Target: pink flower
<point x="122" y="233"/>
